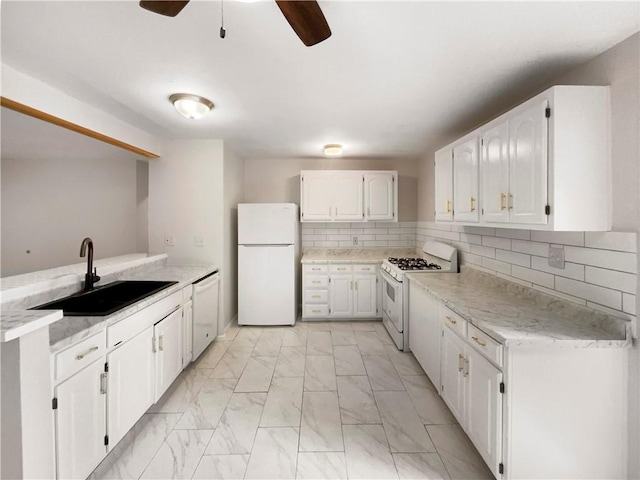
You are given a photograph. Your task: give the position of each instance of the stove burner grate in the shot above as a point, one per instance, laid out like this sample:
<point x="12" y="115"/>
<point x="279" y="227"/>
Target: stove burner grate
<point x="410" y="263"/>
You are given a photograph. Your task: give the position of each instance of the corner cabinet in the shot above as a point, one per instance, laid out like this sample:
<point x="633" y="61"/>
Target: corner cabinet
<point x="348" y="196"/>
<point x="529" y="175"/>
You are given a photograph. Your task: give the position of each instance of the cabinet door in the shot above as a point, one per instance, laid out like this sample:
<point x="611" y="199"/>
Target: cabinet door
<point x="187" y="332"/>
<point x="341" y="296"/>
<point x="495" y="173"/>
<point x="379" y="197"/>
<point x="465" y="181"/>
<point x="453" y="373"/>
<point x="365" y="296"/>
<point x="444" y="184"/>
<point x="131" y="379"/>
<point x="349" y="196"/>
<point x="168" y="335"/>
<point x="81" y="422"/>
<point x="484" y="409"/>
<point x="528" y="165"/>
<point x="424" y="331"/>
<point x="317" y="196"/>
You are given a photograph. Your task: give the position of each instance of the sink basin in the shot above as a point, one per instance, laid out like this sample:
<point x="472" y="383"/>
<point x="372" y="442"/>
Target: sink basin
<point x="107" y="299"/>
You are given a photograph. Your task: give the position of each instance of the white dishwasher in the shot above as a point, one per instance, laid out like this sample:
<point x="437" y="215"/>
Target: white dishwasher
<point x="205" y="312"/>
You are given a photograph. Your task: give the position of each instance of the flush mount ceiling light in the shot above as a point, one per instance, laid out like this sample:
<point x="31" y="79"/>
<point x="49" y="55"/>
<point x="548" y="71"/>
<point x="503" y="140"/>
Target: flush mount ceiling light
<point x="191" y="106"/>
<point x="333" y="150"/>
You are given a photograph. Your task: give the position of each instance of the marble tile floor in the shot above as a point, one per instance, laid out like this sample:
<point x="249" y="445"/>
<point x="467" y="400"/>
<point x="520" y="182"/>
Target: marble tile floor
<point x="321" y="400"/>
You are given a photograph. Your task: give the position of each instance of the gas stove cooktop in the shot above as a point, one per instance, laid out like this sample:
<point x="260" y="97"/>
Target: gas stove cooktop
<point x="411" y="263"/>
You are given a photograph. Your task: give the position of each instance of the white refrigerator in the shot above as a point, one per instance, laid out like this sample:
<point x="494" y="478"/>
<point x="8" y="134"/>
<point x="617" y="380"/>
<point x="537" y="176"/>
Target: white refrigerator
<point x="268" y="257"/>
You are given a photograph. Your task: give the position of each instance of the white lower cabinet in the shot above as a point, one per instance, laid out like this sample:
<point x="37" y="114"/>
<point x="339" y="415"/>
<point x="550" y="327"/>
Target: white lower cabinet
<point x="131" y="384"/>
<point x="453" y="386"/>
<point x="168" y="351"/>
<point x="340" y="291"/>
<point x="80" y="422"/>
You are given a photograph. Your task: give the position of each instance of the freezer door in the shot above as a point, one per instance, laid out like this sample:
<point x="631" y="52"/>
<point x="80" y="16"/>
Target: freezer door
<point x="266" y="285"/>
<point x="267" y="223"/>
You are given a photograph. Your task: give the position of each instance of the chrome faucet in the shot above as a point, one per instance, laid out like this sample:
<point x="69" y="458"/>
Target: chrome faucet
<point x="92" y="276"/>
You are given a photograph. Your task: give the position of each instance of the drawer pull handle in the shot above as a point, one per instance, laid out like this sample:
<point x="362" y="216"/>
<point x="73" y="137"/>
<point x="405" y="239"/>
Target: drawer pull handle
<point x="341" y="268"/>
<point x="315" y="296"/>
<point x="315" y="281"/>
<point x="316" y="269"/>
<point x="315" y="311"/>
<point x="366" y="269"/>
<point x="479" y="342"/>
<point x="82" y="355"/>
<point x="460" y="362"/>
<point x="451" y="320"/>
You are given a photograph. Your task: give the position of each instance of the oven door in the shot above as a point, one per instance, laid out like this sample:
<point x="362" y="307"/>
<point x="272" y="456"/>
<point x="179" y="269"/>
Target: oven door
<point x="392" y="300"/>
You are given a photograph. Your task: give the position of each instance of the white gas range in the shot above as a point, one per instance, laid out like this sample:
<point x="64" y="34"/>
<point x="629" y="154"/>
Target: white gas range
<point x="437" y="258"/>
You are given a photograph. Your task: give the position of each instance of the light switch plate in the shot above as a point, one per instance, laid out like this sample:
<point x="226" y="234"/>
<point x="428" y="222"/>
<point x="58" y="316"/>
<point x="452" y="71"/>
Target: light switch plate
<point x="556" y="256"/>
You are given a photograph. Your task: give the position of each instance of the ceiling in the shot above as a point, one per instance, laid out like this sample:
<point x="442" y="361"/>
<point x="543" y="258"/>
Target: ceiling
<point x="393" y="80"/>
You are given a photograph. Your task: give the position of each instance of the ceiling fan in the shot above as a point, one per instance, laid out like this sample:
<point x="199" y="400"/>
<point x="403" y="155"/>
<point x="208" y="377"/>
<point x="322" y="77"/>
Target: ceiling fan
<point x="304" y="16"/>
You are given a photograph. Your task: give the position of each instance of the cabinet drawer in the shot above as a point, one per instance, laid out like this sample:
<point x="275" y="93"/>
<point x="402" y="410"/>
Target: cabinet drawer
<point x="340" y="269"/>
<point x="315" y="269"/>
<point x="137" y="322"/>
<point x="486" y="345"/>
<point x="320" y="311"/>
<point x="454" y="321"/>
<point x="316" y="281"/>
<point x="316" y="296"/>
<point x="372" y="269"/>
<point x="79" y="355"/>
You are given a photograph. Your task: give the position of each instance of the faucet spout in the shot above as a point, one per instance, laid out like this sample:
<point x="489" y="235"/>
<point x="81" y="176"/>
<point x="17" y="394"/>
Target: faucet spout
<point x="91" y="276"/>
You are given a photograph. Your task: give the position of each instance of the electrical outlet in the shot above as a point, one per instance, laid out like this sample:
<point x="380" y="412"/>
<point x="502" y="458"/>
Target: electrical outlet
<point x="354" y="240"/>
<point x="198" y="241"/>
<point x="169" y="240"/>
<point x="556" y="256"/>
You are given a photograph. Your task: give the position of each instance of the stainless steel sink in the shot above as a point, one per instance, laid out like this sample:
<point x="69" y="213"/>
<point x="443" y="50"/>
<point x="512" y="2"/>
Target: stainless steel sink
<point x="107" y="299"/>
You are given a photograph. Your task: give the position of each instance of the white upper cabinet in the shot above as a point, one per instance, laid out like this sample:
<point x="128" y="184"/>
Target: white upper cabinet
<point x="345" y="196"/>
<point x="348" y="191"/>
<point x="528" y="165"/>
<point x="495" y="173"/>
<point x="380" y="196"/>
<point x="545" y="165"/>
<point x="444" y="184"/>
<point x="465" y="180"/>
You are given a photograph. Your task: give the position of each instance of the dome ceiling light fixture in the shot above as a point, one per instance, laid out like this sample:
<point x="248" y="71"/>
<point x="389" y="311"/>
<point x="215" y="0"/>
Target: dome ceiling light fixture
<point x="191" y="106"/>
<point x="333" y="150"/>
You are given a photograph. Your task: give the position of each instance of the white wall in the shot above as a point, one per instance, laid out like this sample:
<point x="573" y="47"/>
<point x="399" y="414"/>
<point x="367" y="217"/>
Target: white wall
<point x="233" y="194"/>
<point x="618" y="67"/>
<point x="278" y="180"/>
<point x="185" y="201"/>
<point x="50" y="205"/>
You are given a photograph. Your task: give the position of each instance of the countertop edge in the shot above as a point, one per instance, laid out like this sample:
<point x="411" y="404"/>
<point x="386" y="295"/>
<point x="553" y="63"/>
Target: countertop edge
<point x="48" y="317"/>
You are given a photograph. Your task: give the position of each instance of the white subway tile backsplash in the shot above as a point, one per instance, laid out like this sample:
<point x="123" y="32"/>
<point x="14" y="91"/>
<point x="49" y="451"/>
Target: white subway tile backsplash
<point x="515" y="258"/>
<point x="442" y="234"/>
<point x="621" y="261"/>
<point x="351" y="231"/>
<point x="445" y="227"/>
<point x="625" y="282"/>
<point x="401" y="231"/>
<point x="496" y="265"/>
<point x="386" y="224"/>
<point x="484" y="251"/>
<point x="570" y="270"/>
<point x="306" y="237"/>
<point x="480" y="230"/>
<point x="326" y="244"/>
<point x="532" y="248"/>
<point x="511" y="233"/>
<point x="533" y="276"/>
<point x="338" y="226"/>
<point x="558" y="294"/>
<point x="594" y="293"/>
<point x="339" y="237"/>
<point x="513" y="279"/>
<point x="375" y="231"/>
<point x="629" y="303"/>
<point x="408" y="225"/>
<point x="375" y="243"/>
<point x="462" y="246"/>
<point x="563" y="238"/>
<point x="471" y="238"/>
<point x="497" y="242"/>
<point x="471" y="258"/>
<point x="623" y="241"/>
<point x="387" y="237"/>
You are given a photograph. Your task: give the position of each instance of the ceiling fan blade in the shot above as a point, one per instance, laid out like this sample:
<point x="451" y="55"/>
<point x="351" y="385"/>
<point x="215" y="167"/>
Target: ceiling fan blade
<point x="306" y="19"/>
<point x="169" y="8"/>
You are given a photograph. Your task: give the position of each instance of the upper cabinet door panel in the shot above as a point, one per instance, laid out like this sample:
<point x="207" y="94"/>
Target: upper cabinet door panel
<point x="317" y="196"/>
<point x="348" y="188"/>
<point x="444" y="184"/>
<point x="379" y="196"/>
<point x="465" y="181"/>
<point x="528" y="165"/>
<point x="495" y="173"/>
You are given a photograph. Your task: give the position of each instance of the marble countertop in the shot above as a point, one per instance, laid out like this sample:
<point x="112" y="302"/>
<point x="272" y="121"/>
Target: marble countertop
<point x="16" y="323"/>
<point x="70" y="330"/>
<point x="516" y="315"/>
<point x="353" y="255"/>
